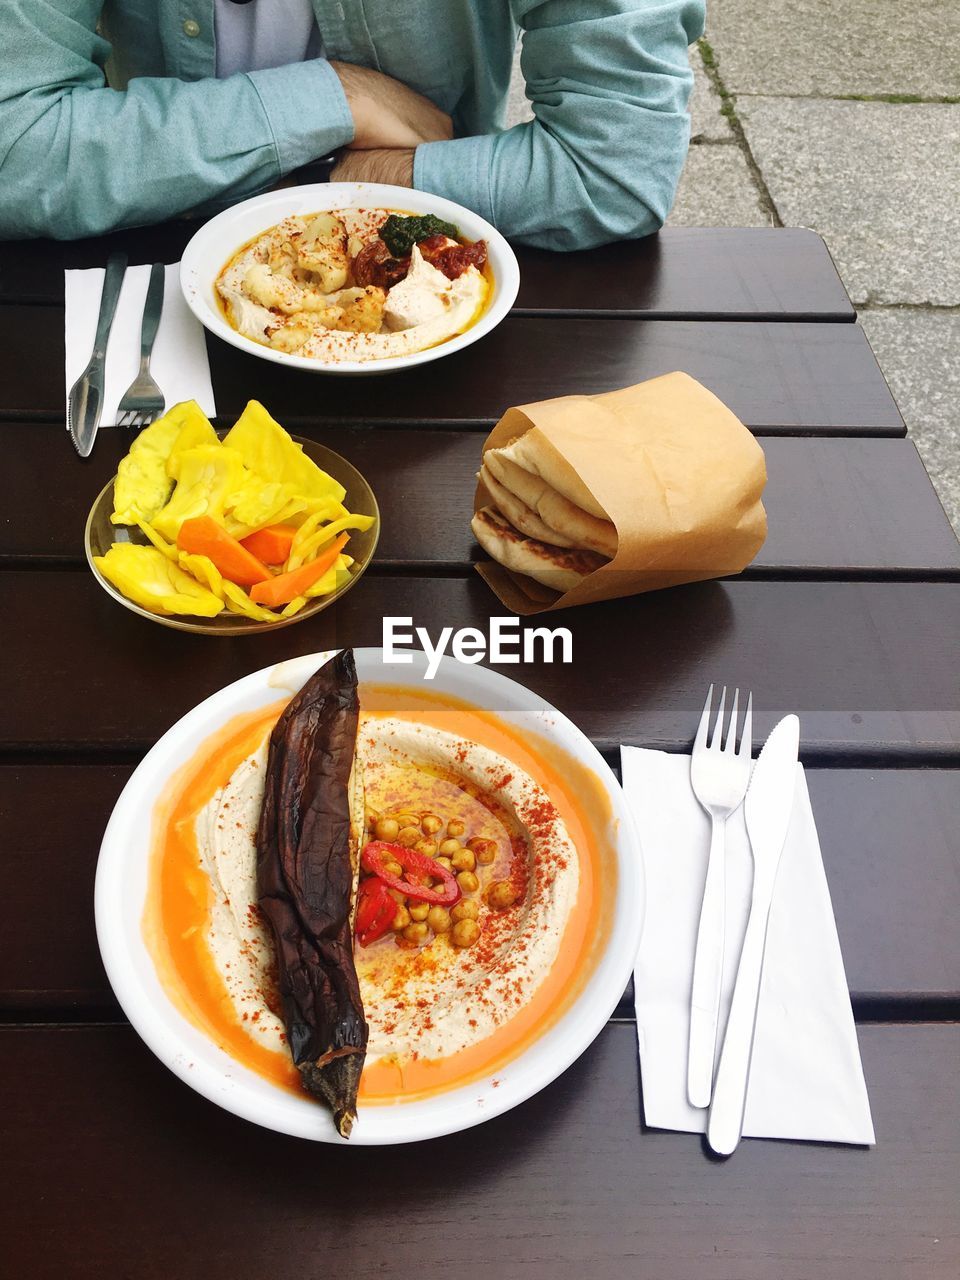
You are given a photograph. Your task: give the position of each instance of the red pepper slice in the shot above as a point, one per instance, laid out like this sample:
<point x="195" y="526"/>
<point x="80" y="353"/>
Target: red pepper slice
<point x="375" y="911"/>
<point x="418" y="868"/>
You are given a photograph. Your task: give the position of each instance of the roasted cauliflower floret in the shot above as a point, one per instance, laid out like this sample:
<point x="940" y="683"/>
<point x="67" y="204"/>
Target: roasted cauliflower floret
<point x="282" y="259"/>
<point x="293" y="333"/>
<point x="280" y="293"/>
<point x="362" y="309"/>
<point x="265" y="286"/>
<point x="322" y="249"/>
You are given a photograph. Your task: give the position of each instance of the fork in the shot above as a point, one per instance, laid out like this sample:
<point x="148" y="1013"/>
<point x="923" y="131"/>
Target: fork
<point x="719" y="775"/>
<point x="143" y="401"/>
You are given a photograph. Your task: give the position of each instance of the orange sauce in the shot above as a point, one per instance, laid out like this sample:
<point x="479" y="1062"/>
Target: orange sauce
<point x="179" y="898"/>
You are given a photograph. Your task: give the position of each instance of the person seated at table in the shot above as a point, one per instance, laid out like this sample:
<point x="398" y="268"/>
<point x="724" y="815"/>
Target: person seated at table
<point x="129" y="112"/>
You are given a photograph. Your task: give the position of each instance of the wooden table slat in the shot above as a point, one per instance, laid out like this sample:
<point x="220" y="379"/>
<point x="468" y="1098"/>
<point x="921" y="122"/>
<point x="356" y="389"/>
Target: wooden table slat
<point x="869" y="667"/>
<point x="779" y="378"/>
<point x="888" y="840"/>
<point x="684" y="272"/>
<point x="153" y="1180"/>
<point x="849" y="617"/>
<point x="844" y="506"/>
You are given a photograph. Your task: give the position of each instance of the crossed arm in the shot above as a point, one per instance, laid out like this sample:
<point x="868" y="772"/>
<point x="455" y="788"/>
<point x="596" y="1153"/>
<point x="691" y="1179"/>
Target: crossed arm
<point x="600" y="160"/>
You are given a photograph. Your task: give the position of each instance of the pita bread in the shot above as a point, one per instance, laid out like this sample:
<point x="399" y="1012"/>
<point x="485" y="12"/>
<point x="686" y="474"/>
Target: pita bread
<point x="567" y="524"/>
<point x="558" y="567"/>
<point x="518" y="513"/>
<point x="535" y="453"/>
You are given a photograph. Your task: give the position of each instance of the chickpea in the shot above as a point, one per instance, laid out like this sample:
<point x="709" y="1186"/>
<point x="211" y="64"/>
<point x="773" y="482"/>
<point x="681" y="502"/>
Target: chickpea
<point x="455" y="827"/>
<point x="386" y="829"/>
<point x="445" y="862"/>
<point x="468" y="882"/>
<point x="486" y="850"/>
<point x="416" y="932"/>
<point x="407" y="820"/>
<point x="409" y="836"/>
<point x="400" y="920"/>
<point x="449" y="847"/>
<point x="465" y="933"/>
<point x="427" y="847"/>
<point x="398" y="897"/>
<point x="393" y="869"/>
<point x="501" y="895"/>
<point x="464" y="860"/>
<point x="431" y="823"/>
<point x="419" y="910"/>
<point x="465" y="910"/>
<point x="373" y="817"/>
<point x="438" y="919"/>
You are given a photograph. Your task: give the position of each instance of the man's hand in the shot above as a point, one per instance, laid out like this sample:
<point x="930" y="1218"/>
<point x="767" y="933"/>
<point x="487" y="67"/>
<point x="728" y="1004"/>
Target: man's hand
<point x="386" y="114"/>
<point x="394" y="166"/>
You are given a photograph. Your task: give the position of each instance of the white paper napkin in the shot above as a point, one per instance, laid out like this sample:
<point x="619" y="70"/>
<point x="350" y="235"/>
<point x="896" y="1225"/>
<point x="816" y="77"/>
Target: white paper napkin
<point x="806" y="1078"/>
<point x="179" y="363"/>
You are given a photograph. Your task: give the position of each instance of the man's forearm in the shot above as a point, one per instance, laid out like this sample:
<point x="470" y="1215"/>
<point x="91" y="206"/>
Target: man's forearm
<point x="394" y="166"/>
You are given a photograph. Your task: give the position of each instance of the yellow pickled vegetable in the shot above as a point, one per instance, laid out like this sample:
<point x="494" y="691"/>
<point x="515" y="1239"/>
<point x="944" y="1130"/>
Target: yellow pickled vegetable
<point x="194" y="432"/>
<point x="268" y="450"/>
<point x="239" y="602"/>
<point x="332" y="579"/>
<point x="204" y="570"/>
<point x="148" y="578"/>
<point x="312" y="546"/>
<point x="179" y="470"/>
<point x="209" y="474"/>
<point x="168" y="548"/>
<point x="258" y="503"/>
<point x="143" y="486"/>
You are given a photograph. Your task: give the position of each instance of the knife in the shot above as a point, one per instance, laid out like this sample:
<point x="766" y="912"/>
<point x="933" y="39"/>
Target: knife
<point x="767" y="809"/>
<point x="85" y="401"/>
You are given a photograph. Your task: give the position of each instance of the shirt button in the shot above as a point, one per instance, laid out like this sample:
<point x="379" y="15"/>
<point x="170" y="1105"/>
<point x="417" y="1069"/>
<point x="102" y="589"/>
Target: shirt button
<point x="191" y="28"/>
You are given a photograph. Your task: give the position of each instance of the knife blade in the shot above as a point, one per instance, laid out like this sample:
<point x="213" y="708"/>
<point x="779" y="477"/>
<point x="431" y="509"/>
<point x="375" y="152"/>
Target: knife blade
<point x="85" y="401"/>
<point x="767" y="809"/>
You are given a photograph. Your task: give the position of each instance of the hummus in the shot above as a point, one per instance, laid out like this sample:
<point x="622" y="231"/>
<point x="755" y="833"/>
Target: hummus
<point x="431" y="1001"/>
<point x="277" y="291"/>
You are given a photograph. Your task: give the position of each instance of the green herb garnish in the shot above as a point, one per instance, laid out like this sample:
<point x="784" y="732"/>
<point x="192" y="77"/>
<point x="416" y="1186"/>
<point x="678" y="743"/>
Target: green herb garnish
<point x="400" y="233"/>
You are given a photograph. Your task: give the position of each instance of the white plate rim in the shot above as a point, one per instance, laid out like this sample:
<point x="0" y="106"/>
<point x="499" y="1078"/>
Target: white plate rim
<point x="209" y="1070"/>
<point x="204" y="254"/>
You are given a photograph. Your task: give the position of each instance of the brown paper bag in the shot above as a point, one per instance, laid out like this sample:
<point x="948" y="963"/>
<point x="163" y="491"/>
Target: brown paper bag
<point x="679" y="475"/>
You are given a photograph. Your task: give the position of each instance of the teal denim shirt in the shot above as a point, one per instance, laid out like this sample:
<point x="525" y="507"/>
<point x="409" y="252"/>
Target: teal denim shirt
<point x="110" y="114"/>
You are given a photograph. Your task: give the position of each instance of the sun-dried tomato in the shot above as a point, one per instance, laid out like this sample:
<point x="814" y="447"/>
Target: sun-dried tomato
<point x="375" y="265"/>
<point x="453" y="259"/>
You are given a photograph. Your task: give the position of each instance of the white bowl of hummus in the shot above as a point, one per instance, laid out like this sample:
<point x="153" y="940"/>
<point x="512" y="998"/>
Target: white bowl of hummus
<point x="459" y="1031"/>
<point x="349" y="278"/>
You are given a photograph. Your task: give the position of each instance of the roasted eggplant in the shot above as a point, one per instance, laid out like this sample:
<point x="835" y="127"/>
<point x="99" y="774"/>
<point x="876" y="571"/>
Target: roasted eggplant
<point x="306" y="881"/>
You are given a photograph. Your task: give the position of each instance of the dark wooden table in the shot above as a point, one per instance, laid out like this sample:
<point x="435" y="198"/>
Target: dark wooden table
<point x="850" y="616"/>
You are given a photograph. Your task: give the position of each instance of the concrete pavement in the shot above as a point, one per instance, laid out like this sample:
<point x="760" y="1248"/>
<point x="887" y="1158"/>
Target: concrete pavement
<point x="846" y="119"/>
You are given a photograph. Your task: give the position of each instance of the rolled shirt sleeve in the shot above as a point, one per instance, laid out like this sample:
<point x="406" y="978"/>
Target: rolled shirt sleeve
<point x="609" y="83"/>
<point x="78" y="158"/>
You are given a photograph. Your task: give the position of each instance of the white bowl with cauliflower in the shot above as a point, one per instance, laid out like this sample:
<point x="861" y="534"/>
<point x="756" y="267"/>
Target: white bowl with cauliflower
<point x="348" y="277"/>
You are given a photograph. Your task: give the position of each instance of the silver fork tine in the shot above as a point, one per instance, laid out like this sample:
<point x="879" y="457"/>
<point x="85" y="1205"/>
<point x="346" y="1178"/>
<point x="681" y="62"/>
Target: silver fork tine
<point x="731" y="741"/>
<point x="746" y="738"/>
<point x="718" y="727"/>
<point x="700" y="740"/>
